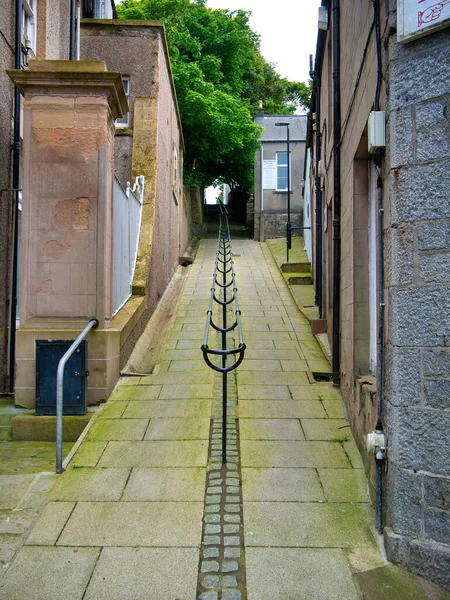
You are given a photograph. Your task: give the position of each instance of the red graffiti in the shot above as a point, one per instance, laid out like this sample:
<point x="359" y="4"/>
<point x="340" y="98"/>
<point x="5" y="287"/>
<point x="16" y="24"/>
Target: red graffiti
<point x="433" y="13"/>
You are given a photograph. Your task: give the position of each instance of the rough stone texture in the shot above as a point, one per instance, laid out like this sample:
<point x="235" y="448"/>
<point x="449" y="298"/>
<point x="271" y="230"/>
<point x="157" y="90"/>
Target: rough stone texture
<point x="419" y="439"/>
<point x="420" y="76"/>
<point x="419" y="315"/>
<point x="431" y="113"/>
<point x="403" y="268"/>
<point x="402" y="375"/>
<point x="404" y="489"/>
<point x="426" y="558"/>
<point x="435" y="268"/>
<point x="434" y="235"/>
<point x="404" y="192"/>
<point x="437" y="393"/>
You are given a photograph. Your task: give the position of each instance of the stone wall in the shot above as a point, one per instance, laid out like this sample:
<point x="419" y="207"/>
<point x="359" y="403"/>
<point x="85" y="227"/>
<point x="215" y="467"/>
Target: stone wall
<point x="273" y="224"/>
<point x="417" y="384"/>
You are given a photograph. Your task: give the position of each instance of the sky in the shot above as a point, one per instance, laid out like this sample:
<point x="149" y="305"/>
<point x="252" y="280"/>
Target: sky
<point x="288" y="30"/>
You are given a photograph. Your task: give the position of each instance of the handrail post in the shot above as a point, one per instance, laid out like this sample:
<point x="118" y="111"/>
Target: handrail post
<point x="93" y="324"/>
<point x="224" y="255"/>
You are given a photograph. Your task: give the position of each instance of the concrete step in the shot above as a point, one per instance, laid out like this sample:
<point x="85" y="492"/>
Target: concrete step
<point x="31" y="427"/>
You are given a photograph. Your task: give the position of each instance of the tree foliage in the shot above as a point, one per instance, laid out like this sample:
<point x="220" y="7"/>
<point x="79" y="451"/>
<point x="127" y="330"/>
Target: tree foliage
<point x="220" y="78"/>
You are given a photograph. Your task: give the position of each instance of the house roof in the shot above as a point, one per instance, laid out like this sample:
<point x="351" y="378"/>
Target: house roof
<point x="271" y="133"/>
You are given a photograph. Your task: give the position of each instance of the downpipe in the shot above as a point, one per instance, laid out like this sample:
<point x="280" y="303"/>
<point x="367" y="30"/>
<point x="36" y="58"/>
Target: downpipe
<point x="336" y="43"/>
<point x="376" y="442"/>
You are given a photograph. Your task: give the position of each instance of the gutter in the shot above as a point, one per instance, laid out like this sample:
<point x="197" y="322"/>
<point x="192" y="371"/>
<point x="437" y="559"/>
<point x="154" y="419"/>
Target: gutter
<point x="15" y="186"/>
<point x="336" y="192"/>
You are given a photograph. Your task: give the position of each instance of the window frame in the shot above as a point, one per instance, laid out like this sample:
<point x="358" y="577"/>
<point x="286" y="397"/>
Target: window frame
<point x="285" y="164"/>
<point x="124" y="122"/>
<point x="29" y="25"/>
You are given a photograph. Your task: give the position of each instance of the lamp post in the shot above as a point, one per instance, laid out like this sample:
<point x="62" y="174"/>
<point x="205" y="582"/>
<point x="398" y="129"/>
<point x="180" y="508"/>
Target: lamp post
<point x="288" y="224"/>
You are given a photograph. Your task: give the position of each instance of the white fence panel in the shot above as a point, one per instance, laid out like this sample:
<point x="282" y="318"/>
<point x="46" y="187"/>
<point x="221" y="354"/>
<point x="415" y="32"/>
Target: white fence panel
<point x="127" y="226"/>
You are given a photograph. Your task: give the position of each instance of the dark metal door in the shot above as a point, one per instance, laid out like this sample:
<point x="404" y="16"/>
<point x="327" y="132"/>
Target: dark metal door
<point x="48" y="355"/>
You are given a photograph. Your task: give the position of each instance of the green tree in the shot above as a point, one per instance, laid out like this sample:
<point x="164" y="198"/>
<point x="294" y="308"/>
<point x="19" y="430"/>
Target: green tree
<point x="220" y="77"/>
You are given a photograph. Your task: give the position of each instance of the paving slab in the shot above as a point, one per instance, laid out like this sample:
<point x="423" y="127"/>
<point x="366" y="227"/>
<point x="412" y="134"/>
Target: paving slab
<point x="118" y="429"/>
<point x="135" y="573"/>
<point x="272" y="378"/>
<point x="88" y="484"/>
<point x="292" y="454"/>
<point x="135" y="392"/>
<point x="134" y="524"/>
<point x="50" y="524"/>
<point x="88" y="454"/>
<point x="344" y="485"/>
<point x="263" y="392"/>
<point x="270" y="429"/>
<point x="315" y="392"/>
<point x="281" y="485"/>
<point x="298" y="574"/>
<point x="162" y="484"/>
<point x="178" y="429"/>
<point x="179" y="378"/>
<point x="326" y="429"/>
<point x="112" y="410"/>
<point x="192" y="453"/>
<point x="49" y="573"/>
<point x="281" y="409"/>
<point x="12" y="488"/>
<point x="187" y="366"/>
<point x="259" y="365"/>
<point x="168" y="408"/>
<point x="179" y="391"/>
<point x="313" y="525"/>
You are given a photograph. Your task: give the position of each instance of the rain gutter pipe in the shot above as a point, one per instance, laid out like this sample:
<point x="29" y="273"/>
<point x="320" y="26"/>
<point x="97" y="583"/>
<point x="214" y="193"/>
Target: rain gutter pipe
<point x="336" y="191"/>
<point x="93" y="324"/>
<point x="16" y="192"/>
<point x="380" y="455"/>
<point x="316" y="77"/>
<point x="73" y="35"/>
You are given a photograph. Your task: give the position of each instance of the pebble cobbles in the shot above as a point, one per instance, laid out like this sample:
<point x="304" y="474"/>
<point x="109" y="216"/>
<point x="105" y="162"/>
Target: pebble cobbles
<point x="222" y="558"/>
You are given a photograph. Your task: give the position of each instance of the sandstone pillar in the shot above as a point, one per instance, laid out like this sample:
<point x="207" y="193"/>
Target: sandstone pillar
<point x="67" y="215"/>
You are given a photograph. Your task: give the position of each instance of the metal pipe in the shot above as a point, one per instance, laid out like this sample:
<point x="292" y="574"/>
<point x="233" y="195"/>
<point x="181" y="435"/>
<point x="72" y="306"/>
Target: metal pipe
<point x="72" y="33"/>
<point x="336" y="192"/>
<point x="319" y="209"/>
<point x="93" y="324"/>
<point x="288" y="226"/>
<point x="15" y="185"/>
<point x="381" y="454"/>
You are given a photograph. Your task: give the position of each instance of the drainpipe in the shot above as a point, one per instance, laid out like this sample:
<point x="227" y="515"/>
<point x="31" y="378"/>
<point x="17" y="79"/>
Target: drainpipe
<point x="15" y="185"/>
<point x="319" y="209"/>
<point x="73" y="35"/>
<point x="380" y="455"/>
<point x="336" y="191"/>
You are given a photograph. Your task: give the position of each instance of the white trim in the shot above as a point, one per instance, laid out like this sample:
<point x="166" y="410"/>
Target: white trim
<point x="372" y="235"/>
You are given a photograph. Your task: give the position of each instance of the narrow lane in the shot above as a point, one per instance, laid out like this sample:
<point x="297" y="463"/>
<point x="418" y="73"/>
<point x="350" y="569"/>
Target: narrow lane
<point x="128" y="519"/>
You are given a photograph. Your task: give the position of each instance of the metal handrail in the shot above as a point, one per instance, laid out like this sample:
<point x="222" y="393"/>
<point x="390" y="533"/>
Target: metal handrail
<point x="224" y="256"/>
<point x="93" y="324"/>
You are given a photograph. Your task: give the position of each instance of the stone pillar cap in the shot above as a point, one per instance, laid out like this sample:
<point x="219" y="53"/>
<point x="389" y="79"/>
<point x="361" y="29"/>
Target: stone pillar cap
<point x="72" y="77"/>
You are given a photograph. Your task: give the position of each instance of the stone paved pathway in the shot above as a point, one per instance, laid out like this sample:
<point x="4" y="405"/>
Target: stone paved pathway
<point x="126" y="519"/>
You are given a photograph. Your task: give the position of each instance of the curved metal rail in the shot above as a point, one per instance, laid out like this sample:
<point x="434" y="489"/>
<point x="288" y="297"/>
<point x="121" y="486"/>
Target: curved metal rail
<point x="224" y="270"/>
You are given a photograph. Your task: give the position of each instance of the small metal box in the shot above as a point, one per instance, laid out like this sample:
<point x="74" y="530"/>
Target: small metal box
<point x="48" y="355"/>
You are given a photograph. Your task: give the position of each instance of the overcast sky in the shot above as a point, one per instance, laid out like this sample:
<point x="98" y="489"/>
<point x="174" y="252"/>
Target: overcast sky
<point x="288" y="30"/>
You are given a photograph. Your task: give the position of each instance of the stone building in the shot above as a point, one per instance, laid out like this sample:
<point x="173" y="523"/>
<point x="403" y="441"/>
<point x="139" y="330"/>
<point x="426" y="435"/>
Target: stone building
<point x="381" y="253"/>
<point x="270" y="207"/>
<point x="112" y="114"/>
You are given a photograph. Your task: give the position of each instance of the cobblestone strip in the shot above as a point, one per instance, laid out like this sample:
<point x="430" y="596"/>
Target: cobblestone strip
<point x="222" y="559"/>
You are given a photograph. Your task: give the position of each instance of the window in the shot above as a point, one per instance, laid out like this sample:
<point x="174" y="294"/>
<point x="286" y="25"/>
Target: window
<point x="125" y="120"/>
<point x="282" y="172"/>
<point x="29" y="25"/>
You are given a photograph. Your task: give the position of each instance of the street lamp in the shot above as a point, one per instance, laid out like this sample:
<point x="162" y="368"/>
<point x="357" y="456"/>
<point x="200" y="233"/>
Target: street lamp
<point x="288" y="224"/>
